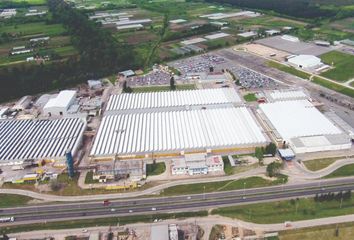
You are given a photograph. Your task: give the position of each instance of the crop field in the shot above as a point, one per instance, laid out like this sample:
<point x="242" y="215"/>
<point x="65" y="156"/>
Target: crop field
<point x="30" y="29"/>
<point x="31" y="2"/>
<point x="343" y="66"/>
<point x="346" y="24"/>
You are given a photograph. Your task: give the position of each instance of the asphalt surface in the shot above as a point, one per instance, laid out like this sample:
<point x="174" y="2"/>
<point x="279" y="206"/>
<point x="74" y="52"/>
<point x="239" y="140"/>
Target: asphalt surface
<point x="186" y="203"/>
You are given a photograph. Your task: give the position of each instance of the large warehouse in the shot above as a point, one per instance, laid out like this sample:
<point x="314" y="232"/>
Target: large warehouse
<point x="174" y="133"/>
<point x="172" y="100"/>
<point x="303" y="126"/>
<point x="22" y="140"/>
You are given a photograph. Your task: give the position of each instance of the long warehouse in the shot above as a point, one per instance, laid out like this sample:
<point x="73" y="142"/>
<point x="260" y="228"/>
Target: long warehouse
<point x="172" y="100"/>
<point x="176" y="132"/>
<point x="38" y="139"/>
<point x="303" y="126"/>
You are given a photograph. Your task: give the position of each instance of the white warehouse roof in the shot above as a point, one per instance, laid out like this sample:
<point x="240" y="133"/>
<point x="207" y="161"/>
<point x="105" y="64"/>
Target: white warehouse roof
<point x="130" y="101"/>
<point x="280" y="95"/>
<point x="36" y="139"/>
<point x="63" y="100"/>
<point x="300" y="118"/>
<point x="305" y="61"/>
<point x="174" y="131"/>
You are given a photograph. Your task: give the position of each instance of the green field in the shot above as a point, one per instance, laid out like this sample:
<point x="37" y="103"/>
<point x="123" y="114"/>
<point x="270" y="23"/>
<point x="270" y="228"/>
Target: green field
<point x="155" y="168"/>
<point x="327" y="232"/>
<point x="251" y="97"/>
<point x="251" y="182"/>
<point x="37" y="28"/>
<point x="31" y="2"/>
<point x="345" y="171"/>
<point x="287" y="210"/>
<point x="343" y="66"/>
<point x="335" y="87"/>
<point x="11" y="200"/>
<point x="318" y="164"/>
<point x="290" y="70"/>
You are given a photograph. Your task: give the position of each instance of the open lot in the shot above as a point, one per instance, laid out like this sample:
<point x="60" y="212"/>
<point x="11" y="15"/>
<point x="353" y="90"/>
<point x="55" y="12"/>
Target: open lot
<point x="343" y="66"/>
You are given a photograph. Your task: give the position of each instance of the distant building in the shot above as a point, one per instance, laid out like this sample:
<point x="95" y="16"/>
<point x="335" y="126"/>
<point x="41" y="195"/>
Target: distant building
<point x="323" y="43"/>
<point x="23" y="103"/>
<point x="247" y="34"/>
<point x="127" y="73"/>
<point x="60" y="105"/>
<point x="272" y="32"/>
<point x="305" y="61"/>
<point x="94" y="84"/>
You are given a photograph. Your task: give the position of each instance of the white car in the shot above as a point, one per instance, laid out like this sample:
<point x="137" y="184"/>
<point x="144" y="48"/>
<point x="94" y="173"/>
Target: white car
<point x="130" y="211"/>
<point x="113" y="210"/>
<point x="84" y="230"/>
<point x="153" y="209"/>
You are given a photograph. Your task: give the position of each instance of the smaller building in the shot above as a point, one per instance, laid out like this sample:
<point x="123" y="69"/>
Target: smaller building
<point x="159" y="232"/>
<point x="127" y="73"/>
<point x="272" y="32"/>
<point x="305" y="61"/>
<point x="322" y="43"/>
<point x="196" y="164"/>
<point x="286" y="154"/>
<point x="173" y="231"/>
<point x="94" y="84"/>
<point x="60" y="105"/>
<point x="22" y="104"/>
<point x="247" y="34"/>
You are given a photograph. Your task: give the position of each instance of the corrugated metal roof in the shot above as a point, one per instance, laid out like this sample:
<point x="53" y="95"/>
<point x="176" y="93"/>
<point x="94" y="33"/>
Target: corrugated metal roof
<point x="63" y="99"/>
<point x="297" y="119"/>
<point x="289" y="94"/>
<point x="176" y="131"/>
<point x="34" y="139"/>
<point x="128" y="101"/>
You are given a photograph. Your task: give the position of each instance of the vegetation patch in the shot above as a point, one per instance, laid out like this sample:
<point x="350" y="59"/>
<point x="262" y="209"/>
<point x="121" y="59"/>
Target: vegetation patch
<point x="318" y="164"/>
<point x="343" y="66"/>
<point x="345" y="171"/>
<point x="290" y="70"/>
<point x="334" y="86"/>
<point x="12" y="200"/>
<point x="155" y="168"/>
<point x="251" y="97"/>
<point x="289" y="210"/>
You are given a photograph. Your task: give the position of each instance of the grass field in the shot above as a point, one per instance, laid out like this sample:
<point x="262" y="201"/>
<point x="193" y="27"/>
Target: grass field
<point x="335" y="87"/>
<point x="155" y="169"/>
<point x="345" y="171"/>
<point x="289" y="70"/>
<point x="318" y="164"/>
<point x="107" y="221"/>
<point x="287" y="210"/>
<point x="343" y="66"/>
<point x="34" y="29"/>
<point x="11" y="200"/>
<point x="327" y="232"/>
<point x="251" y="182"/>
<point x="162" y="88"/>
<point x="31" y="2"/>
<point x="251" y="97"/>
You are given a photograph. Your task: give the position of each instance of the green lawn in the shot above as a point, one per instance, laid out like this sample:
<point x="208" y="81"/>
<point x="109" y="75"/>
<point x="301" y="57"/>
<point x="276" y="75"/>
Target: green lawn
<point x="287" y="210"/>
<point x="344" y="171"/>
<point x="290" y="70"/>
<point x="343" y="66"/>
<point x="11" y="200"/>
<point x="106" y="221"/>
<point x="228" y="169"/>
<point x="251" y="182"/>
<point x="317" y="164"/>
<point x="89" y="178"/>
<point x="34" y="29"/>
<point x="251" y="97"/>
<point x="327" y="232"/>
<point x="162" y="88"/>
<point x="31" y="2"/>
<point x="155" y="169"/>
<point x="335" y="87"/>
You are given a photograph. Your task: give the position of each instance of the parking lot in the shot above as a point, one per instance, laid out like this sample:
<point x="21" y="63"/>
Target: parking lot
<point x="252" y="80"/>
<point x="157" y="77"/>
<point x="197" y="64"/>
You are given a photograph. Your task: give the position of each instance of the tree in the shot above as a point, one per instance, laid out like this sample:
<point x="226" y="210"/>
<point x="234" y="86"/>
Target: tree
<point x="126" y="88"/>
<point x="172" y="84"/>
<point x="271" y="148"/>
<point x="55" y="185"/>
<point x="273" y="169"/>
<point x="259" y="154"/>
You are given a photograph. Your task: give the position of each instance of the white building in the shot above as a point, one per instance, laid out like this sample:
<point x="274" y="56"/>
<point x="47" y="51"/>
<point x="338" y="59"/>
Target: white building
<point x="303" y="127"/>
<point x="22" y="104"/>
<point x="60" y="105"/>
<point x="196" y="164"/>
<point x="305" y="61"/>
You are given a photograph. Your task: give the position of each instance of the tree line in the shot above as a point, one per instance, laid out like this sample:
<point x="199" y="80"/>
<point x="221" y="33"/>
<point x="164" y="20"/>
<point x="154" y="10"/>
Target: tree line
<point x="99" y="55"/>
<point x="296" y="8"/>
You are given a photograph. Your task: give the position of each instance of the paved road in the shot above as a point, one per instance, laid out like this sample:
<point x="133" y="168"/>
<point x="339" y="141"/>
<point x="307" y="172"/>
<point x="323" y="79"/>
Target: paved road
<point x="195" y="202"/>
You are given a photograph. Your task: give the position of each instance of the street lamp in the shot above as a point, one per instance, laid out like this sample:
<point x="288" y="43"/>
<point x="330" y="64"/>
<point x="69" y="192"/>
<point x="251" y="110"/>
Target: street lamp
<point x="244" y="188"/>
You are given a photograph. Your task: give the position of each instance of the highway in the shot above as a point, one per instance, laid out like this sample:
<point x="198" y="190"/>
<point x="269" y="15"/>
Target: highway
<point x="57" y="212"/>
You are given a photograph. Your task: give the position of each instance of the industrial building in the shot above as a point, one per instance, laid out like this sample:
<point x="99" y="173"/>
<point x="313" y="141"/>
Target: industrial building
<point x="174" y="133"/>
<point x="305" y="61"/>
<point x="172" y="100"/>
<point x="60" y="105"/>
<point x="285" y="94"/>
<point x="22" y="140"/>
<point x="196" y="164"/>
<point x="301" y="126"/>
<point x="22" y="104"/>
